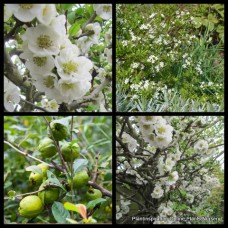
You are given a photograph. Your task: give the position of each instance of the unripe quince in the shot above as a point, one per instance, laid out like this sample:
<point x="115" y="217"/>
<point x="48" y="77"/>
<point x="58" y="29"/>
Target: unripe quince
<point x="47" y="148"/>
<point x="80" y="179"/>
<point x="48" y="196"/>
<point x="30" y="206"/>
<point x="70" y="151"/>
<point x="93" y="194"/>
<point x="36" y="178"/>
<point x="59" y="131"/>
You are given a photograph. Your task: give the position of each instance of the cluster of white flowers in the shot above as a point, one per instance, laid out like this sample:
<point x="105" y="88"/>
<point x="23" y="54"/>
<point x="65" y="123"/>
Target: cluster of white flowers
<point x="201" y="146"/>
<point x="155" y="130"/>
<point x="11" y="95"/>
<point x="158" y="192"/>
<point x="123" y="208"/>
<point x="58" y="67"/>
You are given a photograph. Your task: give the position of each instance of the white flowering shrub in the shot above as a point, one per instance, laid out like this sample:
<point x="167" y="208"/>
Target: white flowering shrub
<point x="163" y="51"/>
<point x="169" y="168"/>
<point x="58" y="57"/>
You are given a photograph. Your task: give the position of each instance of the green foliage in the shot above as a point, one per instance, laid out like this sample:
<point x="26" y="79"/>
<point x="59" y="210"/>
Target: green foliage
<point x="93" y="135"/>
<point x="161" y="47"/>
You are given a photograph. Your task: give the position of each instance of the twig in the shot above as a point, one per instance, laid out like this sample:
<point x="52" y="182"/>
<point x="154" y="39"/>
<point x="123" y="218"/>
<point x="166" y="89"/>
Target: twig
<point x="96" y="169"/>
<point x="38" y="107"/>
<point x="57" y="145"/>
<point x="71" y="128"/>
<point x="104" y="191"/>
<point x="35" y="192"/>
<point x="91" y="19"/>
<point x="26" y="155"/>
<point x="12" y="32"/>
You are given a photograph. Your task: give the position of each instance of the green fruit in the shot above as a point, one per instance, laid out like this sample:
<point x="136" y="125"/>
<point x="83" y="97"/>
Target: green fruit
<point x="36" y="178"/>
<point x="93" y="194"/>
<point x="47" y="148"/>
<point x="30" y="206"/>
<point x="80" y="179"/>
<point x="48" y="196"/>
<point x="70" y="151"/>
<point x="59" y="131"/>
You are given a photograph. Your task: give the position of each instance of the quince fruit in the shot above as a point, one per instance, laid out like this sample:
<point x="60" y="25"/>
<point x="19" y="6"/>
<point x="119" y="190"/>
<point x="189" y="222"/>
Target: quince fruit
<point x="59" y="131"/>
<point x="49" y="195"/>
<point x="47" y="148"/>
<point x="93" y="194"/>
<point x="30" y="206"/>
<point x="70" y="151"/>
<point x="36" y="178"/>
<point x="80" y="179"/>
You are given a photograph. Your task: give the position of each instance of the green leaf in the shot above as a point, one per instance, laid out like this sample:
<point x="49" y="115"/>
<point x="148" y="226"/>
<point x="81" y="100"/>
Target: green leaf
<point x="79" y="208"/>
<point x="59" y="212"/>
<point x="67" y="6"/>
<point x="74" y="29"/>
<point x="53" y="179"/>
<point x="27" y="137"/>
<point x="79" y="164"/>
<point x="71" y="17"/>
<point x="212" y="19"/>
<point x="35" y="169"/>
<point x="93" y="203"/>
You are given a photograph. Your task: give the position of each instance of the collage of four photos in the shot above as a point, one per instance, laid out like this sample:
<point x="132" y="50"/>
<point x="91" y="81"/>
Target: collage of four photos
<point x="114" y="113"/>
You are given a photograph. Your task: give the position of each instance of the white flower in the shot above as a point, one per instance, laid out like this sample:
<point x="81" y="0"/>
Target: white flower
<point x="201" y="146"/>
<point x="152" y="15"/>
<point x="11" y="95"/>
<point x="126" y="81"/>
<point x="51" y="106"/>
<point x="42" y="40"/>
<point x="45" y="82"/>
<point x="162" y="141"/>
<point x="169" y="163"/>
<point x="58" y="24"/>
<point x="103" y="10"/>
<point x="118" y="215"/>
<point x="26" y="12"/>
<point x="95" y="28"/>
<point x="162" y="129"/>
<point x="70" y="65"/>
<point x="73" y="89"/>
<point x="38" y="65"/>
<point x="158" y="192"/>
<point x="48" y="13"/>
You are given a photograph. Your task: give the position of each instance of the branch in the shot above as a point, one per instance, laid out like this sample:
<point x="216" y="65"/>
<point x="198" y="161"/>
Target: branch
<point x="91" y="97"/>
<point x="94" y="184"/>
<point x="37" y="107"/>
<point x="104" y="191"/>
<point x="26" y="155"/>
<point x="57" y="146"/>
<point x="12" y="32"/>
<point x="12" y="73"/>
<point x="35" y="192"/>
